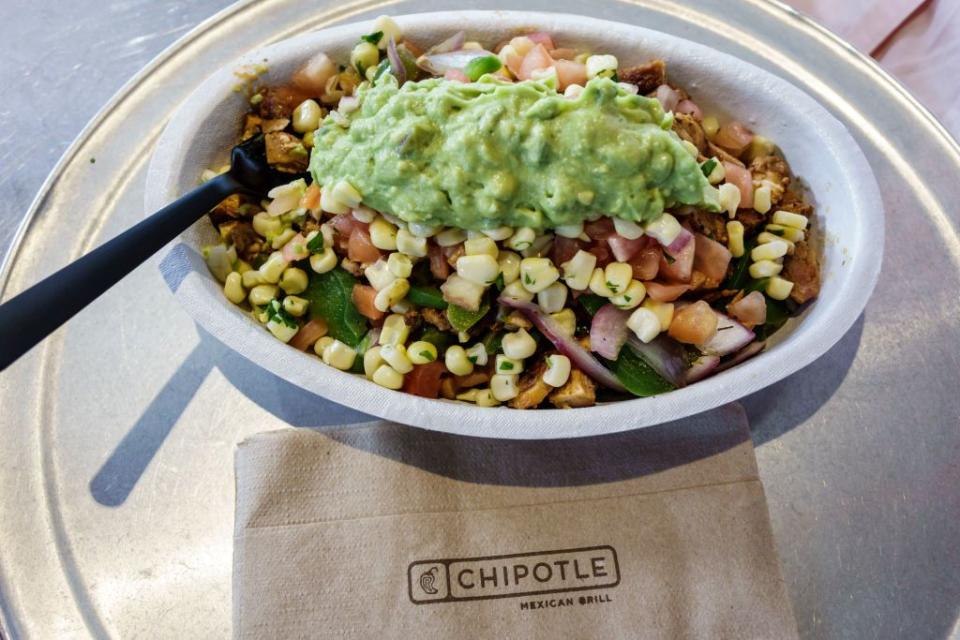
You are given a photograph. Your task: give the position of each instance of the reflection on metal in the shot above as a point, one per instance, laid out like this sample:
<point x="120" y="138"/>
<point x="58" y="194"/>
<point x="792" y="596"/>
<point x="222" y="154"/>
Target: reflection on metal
<point x="118" y="433"/>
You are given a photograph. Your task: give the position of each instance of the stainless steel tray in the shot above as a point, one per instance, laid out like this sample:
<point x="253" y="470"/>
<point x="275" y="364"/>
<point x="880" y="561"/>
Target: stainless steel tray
<point x="118" y="433"/>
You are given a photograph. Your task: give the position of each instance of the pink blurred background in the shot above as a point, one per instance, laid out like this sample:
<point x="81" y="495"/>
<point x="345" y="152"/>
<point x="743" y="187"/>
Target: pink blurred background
<point x="918" y="41"/>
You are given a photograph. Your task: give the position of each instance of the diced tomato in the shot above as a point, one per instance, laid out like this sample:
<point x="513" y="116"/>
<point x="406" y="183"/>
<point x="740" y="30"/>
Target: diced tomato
<point x="563" y="53"/>
<point x="711" y="258"/>
<point x="542" y="37"/>
<point x="694" y="324"/>
<point x="750" y="310"/>
<point x="570" y="72"/>
<point x="363" y="296"/>
<point x="680" y="268"/>
<point x="601" y="249"/>
<point x="665" y="292"/>
<point x="742" y="180"/>
<point x="646" y="261"/>
<point x="514" y="62"/>
<point x="599" y="229"/>
<point x="536" y="59"/>
<point x="311" y="199"/>
<point x="309" y="333"/>
<point x="624" y="249"/>
<point x="424" y="380"/>
<point x="438" y="262"/>
<point x="564" y="249"/>
<point x="360" y="248"/>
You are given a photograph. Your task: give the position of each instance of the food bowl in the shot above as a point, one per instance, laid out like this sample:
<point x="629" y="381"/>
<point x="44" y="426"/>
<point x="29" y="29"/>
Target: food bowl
<point x="819" y="149"/>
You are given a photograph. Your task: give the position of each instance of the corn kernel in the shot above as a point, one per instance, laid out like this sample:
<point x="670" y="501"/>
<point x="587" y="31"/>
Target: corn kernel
<point x="389" y="28"/>
<point x="478" y="354"/>
<point x="403" y="306"/>
<point x="627" y="228"/>
<point x="760" y="146"/>
<point x="383" y="235"/>
<point x="457" y="361"/>
<point x="598" y="284"/>
<point x="663" y="311"/>
<point x="498" y="234"/>
<point x="480" y="269"/>
<point x="632" y="297"/>
<point x="618" y="276"/>
<point x="387" y="376"/>
<point x="787" y="233"/>
<point x="329" y="203"/>
<point x="765" y="237"/>
<point x="400" y="265"/>
<point x="735" y="233"/>
<point x="423" y="230"/>
<point x="480" y="245"/>
<point x="282" y="331"/>
<point x="710" y="126"/>
<point x="262" y="294"/>
<point x="283" y="238"/>
<point x="295" y="305"/>
<point x="395" y="355"/>
<point x="394" y="330"/>
<point x="371" y="361"/>
<point x="293" y="281"/>
<point x="569" y="230"/>
<point x="266" y="225"/>
<point x="324" y="261"/>
<point x="346" y="193"/>
<point x="504" y="387"/>
<point x="573" y="91"/>
<point x="566" y="322"/>
<point x="470" y="395"/>
<point x="558" y="370"/>
<point x="521" y="239"/>
<point x="450" y="236"/>
<point x="645" y="324"/>
<point x="322" y="344"/>
<point x="779" y="288"/>
<point x="339" y="355"/>
<point x="540" y="247"/>
<point x="790" y="219"/>
<point x="485" y="398"/>
<point x="601" y="65"/>
<point x="410" y="244"/>
<point x="306" y="117"/>
<point x="364" y="55"/>
<point x="764" y="269"/>
<point x="422" y="352"/>
<point x="578" y="270"/>
<point x="518" y="345"/>
<point x="718" y="173"/>
<point x="391" y="295"/>
<point x="553" y="298"/>
<point x="505" y="364"/>
<point x="664" y="229"/>
<point x="379" y="274"/>
<point x="761" y="199"/>
<point x="272" y="269"/>
<point x="769" y="251"/>
<point x="729" y="199"/>
<point x="509" y="266"/>
<point x="516" y="290"/>
<point x="537" y="274"/>
<point x="233" y="288"/>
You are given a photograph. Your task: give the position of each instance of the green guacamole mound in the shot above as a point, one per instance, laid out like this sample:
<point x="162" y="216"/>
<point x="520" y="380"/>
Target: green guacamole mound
<point x="488" y="153"/>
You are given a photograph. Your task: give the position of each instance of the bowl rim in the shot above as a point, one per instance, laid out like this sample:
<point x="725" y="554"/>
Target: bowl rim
<point x="184" y="270"/>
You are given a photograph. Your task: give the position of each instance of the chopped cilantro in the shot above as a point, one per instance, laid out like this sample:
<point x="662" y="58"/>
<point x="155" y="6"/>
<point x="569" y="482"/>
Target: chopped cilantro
<point x="315" y="244"/>
<point x="372" y="38"/>
<point x="613" y="286"/>
<point x="506" y="366"/>
<point x="428" y="356"/>
<point x="708" y="166"/>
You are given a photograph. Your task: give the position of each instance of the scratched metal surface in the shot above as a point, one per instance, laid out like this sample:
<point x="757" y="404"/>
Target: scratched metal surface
<point x="118" y="433"/>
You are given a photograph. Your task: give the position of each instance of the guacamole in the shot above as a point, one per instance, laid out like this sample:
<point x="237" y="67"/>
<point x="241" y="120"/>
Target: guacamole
<point x="485" y="154"/>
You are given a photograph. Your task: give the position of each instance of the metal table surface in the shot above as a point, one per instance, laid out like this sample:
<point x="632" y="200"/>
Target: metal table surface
<point x="116" y="458"/>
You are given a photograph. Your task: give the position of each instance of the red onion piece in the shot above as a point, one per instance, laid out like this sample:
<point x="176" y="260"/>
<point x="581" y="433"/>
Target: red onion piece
<point x="746" y="353"/>
<point x="701" y="368"/>
<point x="453" y="43"/>
<point x="742" y="180"/>
<point x="569" y="347"/>
<point x="680" y="242"/>
<point x="396" y="63"/>
<point x="749" y="310"/>
<point x="691" y="108"/>
<point x="731" y="336"/>
<point x="624" y="249"/>
<point x="295" y="249"/>
<point x="711" y="258"/>
<point x="439" y="63"/>
<point x="667" y="97"/>
<point x="734" y="137"/>
<point x="608" y="331"/>
<point x="664" y="355"/>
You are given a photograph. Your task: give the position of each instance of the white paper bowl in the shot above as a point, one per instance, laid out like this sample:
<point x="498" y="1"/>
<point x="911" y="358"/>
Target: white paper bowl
<point x="818" y="147"/>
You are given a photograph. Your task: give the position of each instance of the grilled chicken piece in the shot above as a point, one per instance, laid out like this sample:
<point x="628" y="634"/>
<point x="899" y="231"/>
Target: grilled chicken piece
<point x="436" y="317"/>
<point x="711" y="224"/>
<point x="242" y="236"/>
<point x="772" y="170"/>
<point x="579" y="391"/>
<point x="646" y="76"/>
<point x="794" y="202"/>
<point x="285" y="152"/>
<point x="533" y="390"/>
<point x="689" y="129"/>
<point x="803" y="270"/>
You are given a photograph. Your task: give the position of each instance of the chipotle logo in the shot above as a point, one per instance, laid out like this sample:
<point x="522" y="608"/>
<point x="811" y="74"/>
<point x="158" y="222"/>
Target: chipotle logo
<point x="513" y="575"/>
